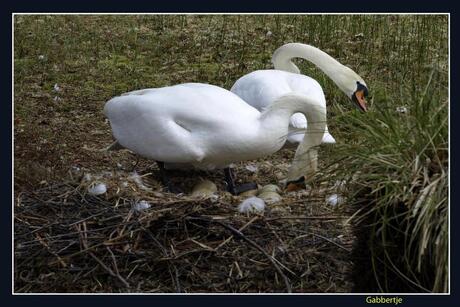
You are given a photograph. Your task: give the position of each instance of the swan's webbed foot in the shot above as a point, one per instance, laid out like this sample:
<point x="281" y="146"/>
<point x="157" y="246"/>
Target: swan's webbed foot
<point x="237" y="189"/>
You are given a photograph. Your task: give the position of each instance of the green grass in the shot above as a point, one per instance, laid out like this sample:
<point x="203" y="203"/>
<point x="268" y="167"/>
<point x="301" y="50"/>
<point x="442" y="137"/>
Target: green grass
<point x="397" y="164"/>
<point x="399" y="160"/>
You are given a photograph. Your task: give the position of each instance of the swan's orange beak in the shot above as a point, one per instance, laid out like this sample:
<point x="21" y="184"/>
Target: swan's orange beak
<point x="360" y="100"/>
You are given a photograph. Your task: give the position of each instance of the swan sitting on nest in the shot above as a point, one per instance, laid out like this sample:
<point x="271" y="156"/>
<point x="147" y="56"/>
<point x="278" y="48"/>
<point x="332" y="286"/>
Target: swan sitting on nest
<point x="260" y="88"/>
<point x="209" y="127"/>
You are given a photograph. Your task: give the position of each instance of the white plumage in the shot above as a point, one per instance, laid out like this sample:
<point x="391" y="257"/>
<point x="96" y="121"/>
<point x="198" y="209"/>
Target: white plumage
<point x="252" y="204"/>
<point x="334" y="200"/>
<point x="141" y="206"/>
<point x="261" y="88"/>
<point x="97" y="189"/>
<point x="209" y="127"/>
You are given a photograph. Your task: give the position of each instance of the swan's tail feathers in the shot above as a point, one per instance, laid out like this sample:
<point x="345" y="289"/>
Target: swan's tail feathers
<point x="114" y="146"/>
<point x="328" y="139"/>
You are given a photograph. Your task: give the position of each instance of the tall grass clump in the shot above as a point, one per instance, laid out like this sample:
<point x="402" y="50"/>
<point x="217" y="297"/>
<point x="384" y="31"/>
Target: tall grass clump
<point x="397" y="170"/>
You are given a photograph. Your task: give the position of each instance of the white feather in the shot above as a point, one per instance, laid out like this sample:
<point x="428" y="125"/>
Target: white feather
<point x="97" y="189"/>
<point x="252" y="168"/>
<point x="334" y="200"/>
<point x="252" y="204"/>
<point x="141" y="206"/>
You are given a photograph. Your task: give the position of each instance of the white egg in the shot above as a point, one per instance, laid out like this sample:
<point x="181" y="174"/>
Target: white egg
<point x="204" y="189"/>
<point x="270" y="197"/>
<point x="252" y="204"/>
<point x="97" y="189"/>
<point x="270" y="188"/>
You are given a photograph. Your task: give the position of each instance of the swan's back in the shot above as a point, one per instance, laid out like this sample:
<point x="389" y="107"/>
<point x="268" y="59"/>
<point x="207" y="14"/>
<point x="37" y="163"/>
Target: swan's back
<point x="195" y="99"/>
<point x="180" y="123"/>
<point x="260" y="88"/>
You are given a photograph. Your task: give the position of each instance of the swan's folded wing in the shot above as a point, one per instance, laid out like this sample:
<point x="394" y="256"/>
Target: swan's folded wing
<point x="298" y="121"/>
<point x="140" y="92"/>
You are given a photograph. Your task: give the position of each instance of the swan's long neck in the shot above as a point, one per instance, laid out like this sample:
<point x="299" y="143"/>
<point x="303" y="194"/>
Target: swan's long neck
<point x="276" y="117"/>
<point x="282" y="60"/>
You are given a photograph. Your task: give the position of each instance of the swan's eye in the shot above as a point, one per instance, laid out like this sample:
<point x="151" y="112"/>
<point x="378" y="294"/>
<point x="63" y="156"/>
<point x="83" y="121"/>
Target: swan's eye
<point x="363" y="88"/>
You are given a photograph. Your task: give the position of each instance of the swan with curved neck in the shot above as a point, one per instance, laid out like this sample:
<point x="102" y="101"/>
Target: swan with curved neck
<point x="344" y="77"/>
<point x="209" y="127"/>
<point x="260" y="88"/>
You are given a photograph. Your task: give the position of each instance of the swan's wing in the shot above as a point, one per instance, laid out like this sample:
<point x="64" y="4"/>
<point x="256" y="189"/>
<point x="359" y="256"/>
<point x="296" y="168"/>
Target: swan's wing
<point x="304" y="84"/>
<point x="145" y="124"/>
<point x="141" y="92"/>
<point x="260" y="88"/>
<point x="182" y="123"/>
<point x="298" y="121"/>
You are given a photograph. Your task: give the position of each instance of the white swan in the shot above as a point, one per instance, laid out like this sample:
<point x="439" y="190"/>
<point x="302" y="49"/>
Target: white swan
<point x="260" y="88"/>
<point x="209" y="127"/>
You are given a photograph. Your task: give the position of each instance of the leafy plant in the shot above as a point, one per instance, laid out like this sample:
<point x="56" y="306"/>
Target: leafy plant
<point x="396" y="161"/>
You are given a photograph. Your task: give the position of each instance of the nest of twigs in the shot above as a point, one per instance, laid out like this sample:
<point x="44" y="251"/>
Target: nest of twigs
<point x="69" y="241"/>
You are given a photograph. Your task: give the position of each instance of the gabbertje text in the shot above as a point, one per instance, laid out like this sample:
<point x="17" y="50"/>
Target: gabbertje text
<point x="383" y="300"/>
